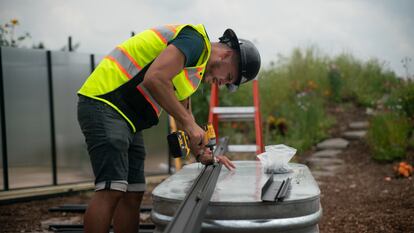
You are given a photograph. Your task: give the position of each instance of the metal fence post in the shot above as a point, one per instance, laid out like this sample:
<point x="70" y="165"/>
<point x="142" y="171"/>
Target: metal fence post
<point x="52" y="116"/>
<point x="92" y="60"/>
<point x="3" y="128"/>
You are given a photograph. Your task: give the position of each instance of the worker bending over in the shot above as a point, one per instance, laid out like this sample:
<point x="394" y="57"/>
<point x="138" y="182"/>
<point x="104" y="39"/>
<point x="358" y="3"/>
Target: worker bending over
<point x="159" y="68"/>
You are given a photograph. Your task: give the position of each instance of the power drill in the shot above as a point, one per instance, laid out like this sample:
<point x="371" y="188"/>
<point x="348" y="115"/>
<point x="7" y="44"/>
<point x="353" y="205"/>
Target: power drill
<point x="178" y="142"/>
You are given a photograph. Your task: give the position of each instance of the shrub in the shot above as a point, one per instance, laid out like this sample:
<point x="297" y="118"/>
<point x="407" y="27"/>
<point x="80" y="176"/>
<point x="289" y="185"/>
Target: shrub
<point x="402" y="99"/>
<point x="388" y="136"/>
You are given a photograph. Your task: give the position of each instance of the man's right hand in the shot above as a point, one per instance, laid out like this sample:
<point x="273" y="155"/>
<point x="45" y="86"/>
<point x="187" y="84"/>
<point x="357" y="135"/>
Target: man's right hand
<point x="196" y="135"/>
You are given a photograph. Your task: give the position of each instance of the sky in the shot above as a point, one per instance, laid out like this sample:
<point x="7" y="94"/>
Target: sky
<point x="365" y="28"/>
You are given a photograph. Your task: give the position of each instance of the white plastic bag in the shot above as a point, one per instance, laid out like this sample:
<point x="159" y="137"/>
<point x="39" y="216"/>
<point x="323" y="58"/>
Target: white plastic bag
<point x="276" y="158"/>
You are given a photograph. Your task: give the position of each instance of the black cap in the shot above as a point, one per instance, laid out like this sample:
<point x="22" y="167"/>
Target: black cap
<point x="249" y="63"/>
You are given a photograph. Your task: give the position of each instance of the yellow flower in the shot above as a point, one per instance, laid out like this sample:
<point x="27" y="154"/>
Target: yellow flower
<point x="14" y="21"/>
<point x="271" y="119"/>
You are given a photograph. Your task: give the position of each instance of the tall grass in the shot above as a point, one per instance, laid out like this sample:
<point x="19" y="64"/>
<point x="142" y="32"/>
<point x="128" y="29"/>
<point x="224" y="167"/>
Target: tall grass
<point x="364" y="82"/>
<point x="388" y="136"/>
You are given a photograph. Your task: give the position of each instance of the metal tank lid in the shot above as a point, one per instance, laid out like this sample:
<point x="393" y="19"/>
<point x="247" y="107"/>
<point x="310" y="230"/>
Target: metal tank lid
<point x="237" y="194"/>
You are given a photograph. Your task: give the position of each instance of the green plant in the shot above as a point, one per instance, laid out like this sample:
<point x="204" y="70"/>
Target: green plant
<point x="7" y="34"/>
<point x="402" y="99"/>
<point x="388" y="136"/>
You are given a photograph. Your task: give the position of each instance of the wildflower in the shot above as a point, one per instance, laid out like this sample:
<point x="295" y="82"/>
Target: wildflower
<point x="271" y="120"/>
<point x="14" y="22"/>
<point x="403" y="169"/>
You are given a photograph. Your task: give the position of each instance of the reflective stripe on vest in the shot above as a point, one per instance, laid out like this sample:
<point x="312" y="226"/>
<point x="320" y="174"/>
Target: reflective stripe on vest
<point x="193" y="75"/>
<point x="165" y="33"/>
<point x="150" y="99"/>
<point x="125" y="62"/>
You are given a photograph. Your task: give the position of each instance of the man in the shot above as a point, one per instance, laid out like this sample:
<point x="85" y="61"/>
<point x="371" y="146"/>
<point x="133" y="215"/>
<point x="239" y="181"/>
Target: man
<point x="157" y="69"/>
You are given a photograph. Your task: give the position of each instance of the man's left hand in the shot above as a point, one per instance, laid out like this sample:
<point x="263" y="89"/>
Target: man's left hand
<point x="226" y="162"/>
<point x="207" y="158"/>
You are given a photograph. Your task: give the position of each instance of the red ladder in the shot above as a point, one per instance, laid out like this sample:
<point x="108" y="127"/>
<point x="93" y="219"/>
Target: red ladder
<point x="244" y="113"/>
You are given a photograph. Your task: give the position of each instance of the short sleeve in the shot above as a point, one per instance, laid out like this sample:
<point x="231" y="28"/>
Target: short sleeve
<point x="191" y="44"/>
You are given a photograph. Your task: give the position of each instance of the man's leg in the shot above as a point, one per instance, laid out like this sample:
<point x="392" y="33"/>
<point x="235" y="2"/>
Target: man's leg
<point x="126" y="218"/>
<point x="108" y="137"/>
<point x="98" y="216"/>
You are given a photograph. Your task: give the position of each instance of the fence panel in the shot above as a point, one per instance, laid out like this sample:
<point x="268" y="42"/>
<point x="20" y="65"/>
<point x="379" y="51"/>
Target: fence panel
<point x="27" y="117"/>
<point x="155" y="138"/>
<point x="69" y="71"/>
<point x="28" y="122"/>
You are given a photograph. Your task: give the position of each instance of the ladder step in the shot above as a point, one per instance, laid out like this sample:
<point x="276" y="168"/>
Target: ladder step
<point x="242" y="148"/>
<point x="233" y="110"/>
<point x="234" y="113"/>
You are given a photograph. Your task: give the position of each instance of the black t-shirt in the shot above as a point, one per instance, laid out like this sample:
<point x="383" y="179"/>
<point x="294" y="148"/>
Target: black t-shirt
<point x="191" y="44"/>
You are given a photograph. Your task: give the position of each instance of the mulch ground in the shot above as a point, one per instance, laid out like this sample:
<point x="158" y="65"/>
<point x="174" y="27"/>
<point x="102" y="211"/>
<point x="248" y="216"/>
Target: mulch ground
<point x="28" y="216"/>
<point x="361" y="198"/>
<point x="364" y="196"/>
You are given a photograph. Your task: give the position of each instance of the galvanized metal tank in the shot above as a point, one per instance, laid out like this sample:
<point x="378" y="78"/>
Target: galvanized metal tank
<point x="236" y="204"/>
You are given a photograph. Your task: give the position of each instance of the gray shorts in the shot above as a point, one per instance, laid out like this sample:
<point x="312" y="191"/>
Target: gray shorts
<point x="117" y="154"/>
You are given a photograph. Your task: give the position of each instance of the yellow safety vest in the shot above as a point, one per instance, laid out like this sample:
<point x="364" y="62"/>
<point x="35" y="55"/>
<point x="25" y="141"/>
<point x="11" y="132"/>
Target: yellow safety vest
<point x="117" y="79"/>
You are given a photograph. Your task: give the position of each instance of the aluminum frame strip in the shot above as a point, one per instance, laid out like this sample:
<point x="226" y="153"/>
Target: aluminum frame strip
<point x="190" y="214"/>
